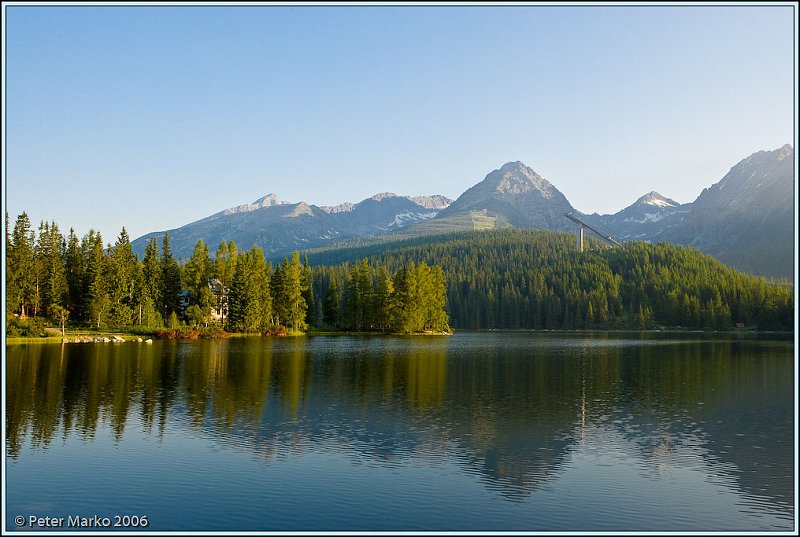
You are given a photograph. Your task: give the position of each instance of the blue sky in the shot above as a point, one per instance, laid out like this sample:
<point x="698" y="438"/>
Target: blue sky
<point x="153" y="117"/>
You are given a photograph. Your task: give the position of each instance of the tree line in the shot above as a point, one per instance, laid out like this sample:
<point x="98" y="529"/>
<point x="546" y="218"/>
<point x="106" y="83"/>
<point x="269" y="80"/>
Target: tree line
<point x="89" y="284"/>
<point x="535" y="279"/>
<point x="513" y="278"/>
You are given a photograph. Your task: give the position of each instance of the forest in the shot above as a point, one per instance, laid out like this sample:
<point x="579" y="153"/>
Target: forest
<point x="497" y="279"/>
<point x="534" y="279"/>
<point x="64" y="280"/>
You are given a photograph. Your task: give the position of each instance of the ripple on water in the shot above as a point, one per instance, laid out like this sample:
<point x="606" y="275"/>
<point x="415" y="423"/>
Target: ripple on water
<point x="483" y="432"/>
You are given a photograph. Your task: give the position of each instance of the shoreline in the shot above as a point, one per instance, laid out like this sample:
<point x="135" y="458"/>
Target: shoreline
<point x="84" y="336"/>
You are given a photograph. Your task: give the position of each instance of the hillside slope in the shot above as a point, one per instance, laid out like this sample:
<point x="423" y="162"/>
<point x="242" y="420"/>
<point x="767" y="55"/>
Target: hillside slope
<point x="537" y="279"/>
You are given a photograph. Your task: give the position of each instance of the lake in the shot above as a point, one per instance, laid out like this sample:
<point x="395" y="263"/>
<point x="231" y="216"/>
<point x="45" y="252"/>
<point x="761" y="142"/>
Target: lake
<point x="480" y="431"/>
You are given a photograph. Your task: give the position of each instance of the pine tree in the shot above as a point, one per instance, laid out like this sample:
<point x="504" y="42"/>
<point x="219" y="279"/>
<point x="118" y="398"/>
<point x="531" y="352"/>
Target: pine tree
<point x="170" y="280"/>
<point x="250" y="301"/>
<point x="264" y="277"/>
<point x="198" y="271"/>
<point x="358" y="298"/>
<point x="382" y="295"/>
<point x="151" y="285"/>
<point x="10" y="291"/>
<point x="20" y="266"/>
<point x="224" y="262"/>
<point x="307" y="290"/>
<point x="435" y="299"/>
<point x="196" y="275"/>
<point x="122" y="281"/>
<point x="331" y="305"/>
<point x="293" y="293"/>
<point x="97" y="299"/>
<point x="280" y="308"/>
<point x="75" y="266"/>
<point x="405" y="317"/>
<point x="51" y="252"/>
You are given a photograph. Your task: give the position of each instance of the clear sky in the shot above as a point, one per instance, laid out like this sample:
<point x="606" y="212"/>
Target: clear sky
<point x="152" y="117"/>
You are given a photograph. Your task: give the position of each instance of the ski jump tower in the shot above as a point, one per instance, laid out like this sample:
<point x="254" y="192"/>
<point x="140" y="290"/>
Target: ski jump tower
<point x="581" y="233"/>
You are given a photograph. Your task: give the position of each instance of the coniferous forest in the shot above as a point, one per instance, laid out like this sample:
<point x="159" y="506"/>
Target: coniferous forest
<point x="533" y="279"/>
<point x="503" y="279"/>
<point x="83" y="283"/>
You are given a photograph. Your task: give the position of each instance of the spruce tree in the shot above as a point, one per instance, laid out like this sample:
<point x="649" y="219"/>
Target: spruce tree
<point x="307" y="290"/>
<point x="381" y="298"/>
<point x="170" y="280"/>
<point x="330" y="310"/>
<point x="151" y="285"/>
<point x="97" y="299"/>
<point x="122" y="281"/>
<point x="196" y="274"/>
<point x="53" y="284"/>
<point x="250" y="301"/>
<point x="75" y="265"/>
<point x="20" y="263"/>
<point x="293" y="293"/>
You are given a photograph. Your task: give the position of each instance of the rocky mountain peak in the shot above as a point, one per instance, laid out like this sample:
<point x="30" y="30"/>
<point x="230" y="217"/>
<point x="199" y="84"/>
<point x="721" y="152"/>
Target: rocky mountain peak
<point x="301" y="209"/>
<point x="436" y="202"/>
<point x="759" y="170"/>
<point x="513" y="166"/>
<point x="657" y="200"/>
<point x="383" y="196"/>
<point x="516" y="178"/>
<point x="270" y="200"/>
<point x="341" y="208"/>
<point x="513" y="195"/>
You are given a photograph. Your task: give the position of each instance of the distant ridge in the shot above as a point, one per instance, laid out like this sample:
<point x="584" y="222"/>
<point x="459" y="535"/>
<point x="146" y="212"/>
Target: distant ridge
<point x="278" y="226"/>
<point x="745" y="219"/>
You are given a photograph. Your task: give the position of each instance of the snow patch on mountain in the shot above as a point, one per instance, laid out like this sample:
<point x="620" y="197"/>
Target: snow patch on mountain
<point x="270" y="200"/>
<point x="404" y="219"/>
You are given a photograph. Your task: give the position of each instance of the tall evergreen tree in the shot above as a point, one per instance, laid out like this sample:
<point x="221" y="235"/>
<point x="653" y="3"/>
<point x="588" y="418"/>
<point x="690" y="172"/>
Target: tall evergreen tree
<point x="224" y="262"/>
<point x="50" y="269"/>
<point x="331" y="305"/>
<point x="382" y="297"/>
<point x="280" y="307"/>
<point x="122" y="281"/>
<point x="264" y="281"/>
<point x="10" y="300"/>
<point x="307" y="290"/>
<point x="198" y="270"/>
<point x="405" y="315"/>
<point x="196" y="275"/>
<point x="151" y="285"/>
<point x="358" y="299"/>
<point x="75" y="266"/>
<point x="170" y="280"/>
<point x="97" y="299"/>
<point x="20" y="265"/>
<point x="433" y="297"/>
<point x="292" y="293"/>
<point x="250" y="300"/>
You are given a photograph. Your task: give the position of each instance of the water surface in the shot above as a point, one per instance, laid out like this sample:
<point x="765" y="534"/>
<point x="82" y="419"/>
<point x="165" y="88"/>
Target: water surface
<point x="482" y="431"/>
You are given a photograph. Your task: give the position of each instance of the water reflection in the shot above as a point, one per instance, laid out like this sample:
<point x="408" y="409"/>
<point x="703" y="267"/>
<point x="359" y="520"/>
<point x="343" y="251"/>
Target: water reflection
<point x="511" y="409"/>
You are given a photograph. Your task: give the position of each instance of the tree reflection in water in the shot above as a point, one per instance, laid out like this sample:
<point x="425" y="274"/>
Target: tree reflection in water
<point x="510" y="408"/>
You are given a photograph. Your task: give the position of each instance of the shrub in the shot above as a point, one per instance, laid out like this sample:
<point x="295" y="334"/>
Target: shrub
<point x="27" y="327"/>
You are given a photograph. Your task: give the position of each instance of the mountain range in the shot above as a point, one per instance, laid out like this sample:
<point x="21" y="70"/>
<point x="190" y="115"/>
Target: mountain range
<point x="746" y="219"/>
